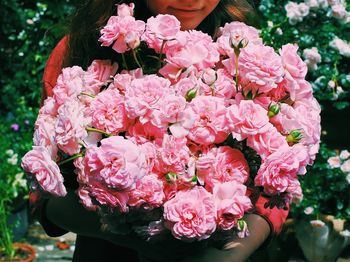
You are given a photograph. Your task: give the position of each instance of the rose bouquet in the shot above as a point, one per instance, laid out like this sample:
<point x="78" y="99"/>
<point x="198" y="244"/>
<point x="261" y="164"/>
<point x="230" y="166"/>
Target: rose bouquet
<point x="169" y="138"/>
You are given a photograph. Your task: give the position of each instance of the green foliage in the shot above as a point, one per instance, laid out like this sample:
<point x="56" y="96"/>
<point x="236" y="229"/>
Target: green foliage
<point x="326" y="188"/>
<point x="29" y="31"/>
<point x="317" y="29"/>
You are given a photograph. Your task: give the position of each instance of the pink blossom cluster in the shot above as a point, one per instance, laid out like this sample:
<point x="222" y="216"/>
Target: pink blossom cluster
<point x="148" y="143"/>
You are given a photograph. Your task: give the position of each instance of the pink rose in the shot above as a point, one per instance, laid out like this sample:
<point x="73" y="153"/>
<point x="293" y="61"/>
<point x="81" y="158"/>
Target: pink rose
<point x="260" y="68"/>
<point x="173" y="155"/>
<point x="267" y="142"/>
<point x="210" y="124"/>
<point x="163" y="26"/>
<point x="247" y="119"/>
<point x="334" y="161"/>
<point x="70" y="127"/>
<point x="44" y="134"/>
<point x="108" y="112"/>
<point x="143" y="133"/>
<point x="46" y="172"/>
<point x="102" y="70"/>
<point x="70" y="83"/>
<point x="345" y="167"/>
<point x="292" y="62"/>
<point x="116" y="30"/>
<point x="148" y="193"/>
<point x="50" y="107"/>
<point x="191" y="214"/>
<point x="278" y="172"/>
<point x="231" y="203"/>
<point x="125" y="10"/>
<point x="233" y="33"/>
<point x="145" y="95"/>
<point x="222" y="164"/>
<point x="117" y="163"/>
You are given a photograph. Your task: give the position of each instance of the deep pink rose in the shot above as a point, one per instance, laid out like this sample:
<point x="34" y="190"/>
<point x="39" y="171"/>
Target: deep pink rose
<point x="46" y="172"/>
<point x="246" y="119"/>
<point x="191" y="214"/>
<point x="221" y="165"/>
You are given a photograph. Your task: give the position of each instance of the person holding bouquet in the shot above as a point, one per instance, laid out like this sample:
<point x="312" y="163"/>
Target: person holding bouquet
<point x="59" y="215"/>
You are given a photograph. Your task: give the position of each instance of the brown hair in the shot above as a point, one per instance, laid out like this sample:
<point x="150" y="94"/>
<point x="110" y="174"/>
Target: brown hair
<point x="91" y="16"/>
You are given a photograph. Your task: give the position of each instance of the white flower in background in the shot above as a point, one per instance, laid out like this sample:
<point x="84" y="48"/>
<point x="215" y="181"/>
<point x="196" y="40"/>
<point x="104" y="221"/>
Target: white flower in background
<point x="348" y="178"/>
<point x="340" y="45"/>
<point x="334" y="161"/>
<point x="312" y="57"/>
<point x="345" y="167"/>
<point x="13" y="160"/>
<point x="279" y="31"/>
<point x="323" y="3"/>
<point x="308" y="210"/>
<point x="9" y="152"/>
<point x="339" y="11"/>
<point x="313" y="4"/>
<point x="331" y="84"/>
<point x="269" y="24"/>
<point x="296" y="12"/>
<point x="317" y="223"/>
<point x="344" y="154"/>
<point x="338" y="90"/>
<point x="345" y="233"/>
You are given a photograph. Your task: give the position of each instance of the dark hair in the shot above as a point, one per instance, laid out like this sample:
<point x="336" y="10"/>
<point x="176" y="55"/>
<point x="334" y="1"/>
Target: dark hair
<point x="91" y="16"/>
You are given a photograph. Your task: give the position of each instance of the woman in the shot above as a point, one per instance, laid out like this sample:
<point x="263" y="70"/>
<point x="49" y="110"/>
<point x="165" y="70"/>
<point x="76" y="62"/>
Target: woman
<point x="59" y="215"/>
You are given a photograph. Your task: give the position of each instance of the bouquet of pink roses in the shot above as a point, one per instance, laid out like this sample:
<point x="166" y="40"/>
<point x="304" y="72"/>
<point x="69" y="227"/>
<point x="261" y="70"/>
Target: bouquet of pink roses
<point x="169" y="138"/>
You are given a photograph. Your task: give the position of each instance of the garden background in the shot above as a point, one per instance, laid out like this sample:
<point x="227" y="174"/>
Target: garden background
<point x="30" y="30"/>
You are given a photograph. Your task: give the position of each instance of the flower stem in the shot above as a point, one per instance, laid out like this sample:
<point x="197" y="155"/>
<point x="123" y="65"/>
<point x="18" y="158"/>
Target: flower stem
<point x="87" y="94"/>
<point x="125" y="65"/>
<point x="136" y="59"/>
<point x="70" y="159"/>
<point x="91" y="129"/>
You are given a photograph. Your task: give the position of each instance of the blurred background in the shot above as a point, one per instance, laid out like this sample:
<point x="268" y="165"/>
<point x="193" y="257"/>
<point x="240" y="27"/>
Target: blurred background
<point x="321" y="28"/>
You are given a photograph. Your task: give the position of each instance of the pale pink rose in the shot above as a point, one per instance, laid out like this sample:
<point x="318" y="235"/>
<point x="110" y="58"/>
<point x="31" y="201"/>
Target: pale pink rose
<point x="334" y="161"/>
<point x="163" y="26"/>
<point x="132" y="40"/>
<point x="345" y="167"/>
<point x="308" y="210"/>
<point x="122" y="80"/>
<point x="173" y="155"/>
<point x="44" y="134"/>
<point x="339" y="11"/>
<point x="71" y="126"/>
<point x="171" y="110"/>
<point x="143" y="133"/>
<point x="50" y="107"/>
<point x="184" y="85"/>
<point x="46" y="172"/>
<point x="125" y="10"/>
<point x="267" y="142"/>
<point x="209" y="76"/>
<point x="224" y="85"/>
<point x="231" y="203"/>
<point x="292" y="62"/>
<point x="145" y="95"/>
<point x="312" y="57"/>
<point x="117" y="28"/>
<point x="344" y="154"/>
<point x="108" y="112"/>
<point x="342" y="46"/>
<point x="210" y="124"/>
<point x="233" y="33"/>
<point x="260" y="68"/>
<point x="182" y="127"/>
<point x="148" y="193"/>
<point x="117" y="163"/>
<point x="278" y="172"/>
<point x="70" y="84"/>
<point x="197" y="51"/>
<point x="102" y="70"/>
<point x="150" y="151"/>
<point x="223" y="164"/>
<point x="296" y="12"/>
<point x="303" y="90"/>
<point x="191" y="214"/>
<point x="247" y="119"/>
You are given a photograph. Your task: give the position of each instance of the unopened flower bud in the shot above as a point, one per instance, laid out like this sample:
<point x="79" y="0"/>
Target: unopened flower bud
<point x="209" y="76"/>
<point x="294" y="136"/>
<point x="274" y="109"/>
<point x="194" y="179"/>
<point x="242" y="228"/>
<point x="171" y="177"/>
<point x="191" y="93"/>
